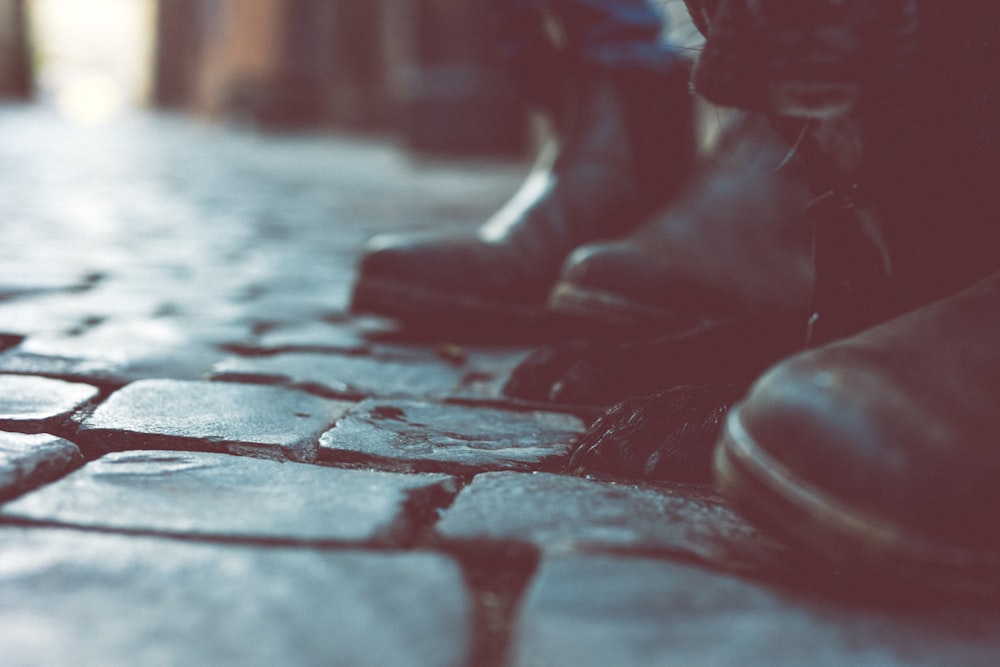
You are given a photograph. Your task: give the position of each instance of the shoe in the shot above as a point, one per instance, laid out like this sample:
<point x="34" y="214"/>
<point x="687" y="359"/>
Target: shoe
<point x="878" y="452"/>
<point x="734" y="243"/>
<point x="623" y="142"/>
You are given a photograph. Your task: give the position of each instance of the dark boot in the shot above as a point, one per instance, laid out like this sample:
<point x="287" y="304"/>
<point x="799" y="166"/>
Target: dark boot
<point x="727" y="267"/>
<point x="721" y="280"/>
<point x="624" y="140"/>
<point x="879" y="451"/>
<point x="734" y="243"/>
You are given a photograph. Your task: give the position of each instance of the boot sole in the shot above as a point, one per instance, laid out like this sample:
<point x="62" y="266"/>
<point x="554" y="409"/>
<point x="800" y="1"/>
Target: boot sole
<point x="805" y="516"/>
<point x="427" y="310"/>
<point x="614" y="310"/>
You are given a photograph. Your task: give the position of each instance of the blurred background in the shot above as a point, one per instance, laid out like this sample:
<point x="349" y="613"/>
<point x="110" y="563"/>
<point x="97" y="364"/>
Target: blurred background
<point x="425" y="71"/>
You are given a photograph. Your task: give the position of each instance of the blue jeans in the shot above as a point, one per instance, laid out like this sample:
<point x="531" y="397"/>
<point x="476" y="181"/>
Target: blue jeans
<point x="612" y="33"/>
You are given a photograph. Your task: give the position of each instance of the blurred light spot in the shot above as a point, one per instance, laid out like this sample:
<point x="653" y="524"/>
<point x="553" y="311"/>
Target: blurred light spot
<point x="93" y="59"/>
<point x="90" y="99"/>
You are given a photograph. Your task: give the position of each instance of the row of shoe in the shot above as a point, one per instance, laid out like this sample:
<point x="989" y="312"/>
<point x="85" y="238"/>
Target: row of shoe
<point x="618" y="227"/>
<point x="871" y="449"/>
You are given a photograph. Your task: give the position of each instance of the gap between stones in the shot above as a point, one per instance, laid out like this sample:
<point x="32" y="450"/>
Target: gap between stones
<point x="497" y="574"/>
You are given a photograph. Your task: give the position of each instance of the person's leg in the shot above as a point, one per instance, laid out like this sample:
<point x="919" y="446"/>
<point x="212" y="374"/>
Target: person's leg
<point x="537" y="38"/>
<point x="618" y="32"/>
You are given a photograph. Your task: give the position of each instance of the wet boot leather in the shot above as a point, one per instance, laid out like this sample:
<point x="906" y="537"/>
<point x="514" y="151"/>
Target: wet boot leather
<point x="734" y="243"/>
<point x="879" y="451"/>
<point x="623" y="143"/>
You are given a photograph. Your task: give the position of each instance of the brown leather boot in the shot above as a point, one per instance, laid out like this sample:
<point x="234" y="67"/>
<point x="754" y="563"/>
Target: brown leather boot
<point x="624" y="141"/>
<point x="734" y="243"/>
<point x="878" y="452"/>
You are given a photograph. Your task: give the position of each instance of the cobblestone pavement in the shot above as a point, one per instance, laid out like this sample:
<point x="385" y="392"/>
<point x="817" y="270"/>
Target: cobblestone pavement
<point x="205" y="461"/>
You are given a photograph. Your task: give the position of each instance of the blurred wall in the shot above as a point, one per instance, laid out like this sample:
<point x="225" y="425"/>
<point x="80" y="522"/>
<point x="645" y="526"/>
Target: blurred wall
<point x="15" y="68"/>
<point x="424" y="69"/>
<point x="179" y="36"/>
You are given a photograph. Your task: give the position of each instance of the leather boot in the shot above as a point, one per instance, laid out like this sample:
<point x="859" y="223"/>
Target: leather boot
<point x="734" y="243"/>
<point x="623" y="142"/>
<point x="879" y="452"/>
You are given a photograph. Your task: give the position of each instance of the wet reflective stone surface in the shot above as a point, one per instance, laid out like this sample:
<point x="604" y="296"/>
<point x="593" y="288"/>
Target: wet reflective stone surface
<point x="95" y="599"/>
<point x="431" y="436"/>
<point x="27" y="461"/>
<point x="212" y="416"/>
<point x="222" y="496"/>
<point x="216" y="463"/>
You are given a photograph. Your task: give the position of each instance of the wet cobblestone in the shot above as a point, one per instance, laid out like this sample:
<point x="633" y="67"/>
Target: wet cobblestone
<point x="211" y="416"/>
<point x="27" y="461"/>
<point x="456" y="438"/>
<point x="72" y="598"/>
<point x="33" y="404"/>
<point x="573" y="514"/>
<point x="639" y="611"/>
<point x="229" y="468"/>
<point x="225" y="497"/>
<point x="411" y="374"/>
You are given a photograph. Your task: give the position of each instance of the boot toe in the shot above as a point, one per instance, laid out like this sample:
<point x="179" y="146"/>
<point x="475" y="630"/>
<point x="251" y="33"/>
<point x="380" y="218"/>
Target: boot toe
<point x="449" y="279"/>
<point x="864" y="453"/>
<point x="619" y="281"/>
<point x="833" y="429"/>
<point x="408" y="259"/>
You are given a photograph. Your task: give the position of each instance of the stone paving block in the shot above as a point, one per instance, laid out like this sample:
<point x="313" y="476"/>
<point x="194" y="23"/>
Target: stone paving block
<point x="343" y="375"/>
<point x="418" y="435"/>
<point x="562" y="513"/>
<point x="138" y="348"/>
<point x="601" y="610"/>
<point x="60" y="314"/>
<point x="29" y="460"/>
<point x="101" y="372"/>
<point x="34" y="404"/>
<point x="26" y="279"/>
<point x="213" y="416"/>
<point x="331" y="333"/>
<point x="309" y="336"/>
<point x="410" y="375"/>
<point x="120" y="298"/>
<point x="296" y="299"/>
<point x="74" y="598"/>
<point x="198" y="493"/>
